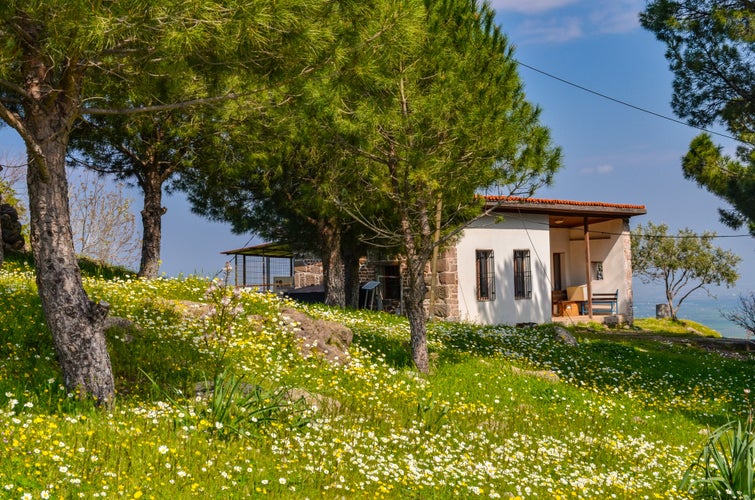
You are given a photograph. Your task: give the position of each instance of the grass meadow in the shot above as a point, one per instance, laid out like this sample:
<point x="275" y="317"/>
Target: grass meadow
<point x="505" y="413"/>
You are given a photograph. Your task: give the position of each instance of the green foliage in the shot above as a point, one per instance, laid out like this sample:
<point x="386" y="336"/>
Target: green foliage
<point x="446" y="118"/>
<point x="430" y="415"/>
<point x="683" y="263"/>
<point x="728" y="179"/>
<point x="102" y="270"/>
<point x="8" y="195"/>
<point x="150" y="149"/>
<point x="667" y="326"/>
<point x="220" y="321"/>
<point x="726" y="466"/>
<point x="710" y="49"/>
<point x="230" y="407"/>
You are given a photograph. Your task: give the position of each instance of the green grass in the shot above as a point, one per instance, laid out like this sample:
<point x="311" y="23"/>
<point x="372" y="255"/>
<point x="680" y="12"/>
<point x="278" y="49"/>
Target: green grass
<point x="624" y="418"/>
<point x="669" y="326"/>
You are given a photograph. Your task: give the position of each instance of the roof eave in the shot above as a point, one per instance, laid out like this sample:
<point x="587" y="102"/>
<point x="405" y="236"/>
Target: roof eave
<point x="561" y="207"/>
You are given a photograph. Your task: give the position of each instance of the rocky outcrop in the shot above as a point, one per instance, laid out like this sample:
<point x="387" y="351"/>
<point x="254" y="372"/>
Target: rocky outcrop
<point x="326" y="338"/>
<point x="10" y="227"/>
<point x="563" y="335"/>
<point x="125" y="327"/>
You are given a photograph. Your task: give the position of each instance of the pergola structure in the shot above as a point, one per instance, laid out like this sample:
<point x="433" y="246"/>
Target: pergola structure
<point x="269" y="266"/>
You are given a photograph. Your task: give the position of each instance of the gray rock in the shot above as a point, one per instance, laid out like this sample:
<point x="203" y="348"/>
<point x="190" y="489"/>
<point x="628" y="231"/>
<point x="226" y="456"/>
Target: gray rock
<point x="11" y="228"/>
<point x="127" y="326"/>
<point x="328" y="339"/>
<point x="565" y="336"/>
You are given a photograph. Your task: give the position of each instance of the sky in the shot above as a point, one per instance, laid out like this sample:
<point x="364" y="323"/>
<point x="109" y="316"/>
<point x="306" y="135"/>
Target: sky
<point x="611" y="152"/>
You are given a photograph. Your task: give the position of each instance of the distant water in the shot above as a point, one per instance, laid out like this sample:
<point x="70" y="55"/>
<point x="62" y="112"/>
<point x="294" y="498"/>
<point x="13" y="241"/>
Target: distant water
<point x="703" y="309"/>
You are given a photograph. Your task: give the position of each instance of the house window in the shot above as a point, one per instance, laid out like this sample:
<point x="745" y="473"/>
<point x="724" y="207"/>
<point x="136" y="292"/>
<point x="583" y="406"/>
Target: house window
<point x="597" y="270"/>
<point x="522" y="275"/>
<point x="485" y="275"/>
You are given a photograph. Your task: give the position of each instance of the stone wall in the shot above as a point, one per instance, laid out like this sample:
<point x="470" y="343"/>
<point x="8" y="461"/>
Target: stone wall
<point x="367" y="270"/>
<point x="307" y="272"/>
<point x="447" y="289"/>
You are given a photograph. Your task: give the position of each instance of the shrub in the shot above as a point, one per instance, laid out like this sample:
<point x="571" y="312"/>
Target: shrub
<point x="727" y="463"/>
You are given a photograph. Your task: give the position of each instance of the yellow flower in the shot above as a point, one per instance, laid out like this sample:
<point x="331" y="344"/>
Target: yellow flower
<point x="138" y="494"/>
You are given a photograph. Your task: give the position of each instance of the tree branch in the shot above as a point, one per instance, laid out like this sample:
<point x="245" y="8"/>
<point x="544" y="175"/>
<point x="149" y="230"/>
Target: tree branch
<point x="33" y="149"/>
<point x="158" y="107"/>
<point x="15" y="88"/>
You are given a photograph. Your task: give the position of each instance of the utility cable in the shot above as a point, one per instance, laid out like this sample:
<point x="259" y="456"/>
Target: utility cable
<point x="624" y="103"/>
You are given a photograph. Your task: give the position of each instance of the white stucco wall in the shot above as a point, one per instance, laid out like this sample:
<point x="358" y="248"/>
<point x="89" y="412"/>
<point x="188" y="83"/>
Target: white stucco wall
<point x="514" y="232"/>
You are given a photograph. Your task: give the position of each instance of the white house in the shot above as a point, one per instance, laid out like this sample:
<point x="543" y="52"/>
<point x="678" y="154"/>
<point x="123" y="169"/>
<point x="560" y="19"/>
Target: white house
<point x="528" y="261"/>
<point x="533" y="259"/>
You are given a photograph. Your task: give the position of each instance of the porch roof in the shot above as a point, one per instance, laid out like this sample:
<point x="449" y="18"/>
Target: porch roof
<point x="565" y="213"/>
<point x="264" y="250"/>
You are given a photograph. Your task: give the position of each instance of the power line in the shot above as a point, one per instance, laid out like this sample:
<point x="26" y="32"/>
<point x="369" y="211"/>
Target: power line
<point x="629" y="105"/>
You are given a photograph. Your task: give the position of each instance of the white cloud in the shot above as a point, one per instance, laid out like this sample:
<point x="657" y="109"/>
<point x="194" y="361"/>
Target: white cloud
<point x="528" y="6"/>
<point x="550" y="30"/>
<point x="558" y="21"/>
<point x="616" y="17"/>
<point x="604" y="169"/>
<point x="599" y="170"/>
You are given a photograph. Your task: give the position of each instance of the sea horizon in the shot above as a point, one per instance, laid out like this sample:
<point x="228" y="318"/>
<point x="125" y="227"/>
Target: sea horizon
<point x="703" y="309"/>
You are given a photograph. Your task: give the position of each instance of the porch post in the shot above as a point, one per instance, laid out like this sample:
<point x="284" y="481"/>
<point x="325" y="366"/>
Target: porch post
<point x="267" y="278"/>
<point x="588" y="270"/>
<point x="243" y="270"/>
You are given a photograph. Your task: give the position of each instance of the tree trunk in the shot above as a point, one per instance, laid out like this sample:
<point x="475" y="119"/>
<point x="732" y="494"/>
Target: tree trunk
<point x="2" y="243"/>
<point x="434" y="261"/>
<point x="417" y="243"/>
<point x="50" y="103"/>
<point x="414" y="298"/>
<point x="351" y="274"/>
<point x="152" y="214"/>
<point x="671" y="308"/>
<point x="332" y="263"/>
<point x="75" y="322"/>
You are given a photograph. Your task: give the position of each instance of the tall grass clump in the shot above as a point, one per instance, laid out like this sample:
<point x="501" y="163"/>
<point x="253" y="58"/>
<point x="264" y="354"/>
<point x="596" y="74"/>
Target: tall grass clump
<point x="726" y="466"/>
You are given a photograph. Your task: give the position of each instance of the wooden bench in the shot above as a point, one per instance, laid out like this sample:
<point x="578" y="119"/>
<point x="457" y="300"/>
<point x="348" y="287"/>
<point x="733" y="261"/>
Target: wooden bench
<point x="607" y="303"/>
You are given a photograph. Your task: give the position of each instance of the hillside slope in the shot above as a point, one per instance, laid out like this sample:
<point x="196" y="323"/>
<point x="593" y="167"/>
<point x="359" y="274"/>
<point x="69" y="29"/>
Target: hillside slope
<point x="215" y="400"/>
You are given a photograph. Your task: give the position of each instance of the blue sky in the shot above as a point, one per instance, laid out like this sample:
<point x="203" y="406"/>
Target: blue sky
<point x="612" y="153"/>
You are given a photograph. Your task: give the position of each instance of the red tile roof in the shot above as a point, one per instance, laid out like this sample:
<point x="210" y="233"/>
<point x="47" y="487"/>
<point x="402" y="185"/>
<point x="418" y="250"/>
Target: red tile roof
<point x="542" y="201"/>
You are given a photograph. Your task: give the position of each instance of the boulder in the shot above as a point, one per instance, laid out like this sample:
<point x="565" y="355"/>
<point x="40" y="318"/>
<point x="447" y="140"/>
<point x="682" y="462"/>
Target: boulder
<point x="563" y="335"/>
<point x="328" y="339"/>
<point x="11" y="228"/>
<point x="128" y="327"/>
<point x="662" y="311"/>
